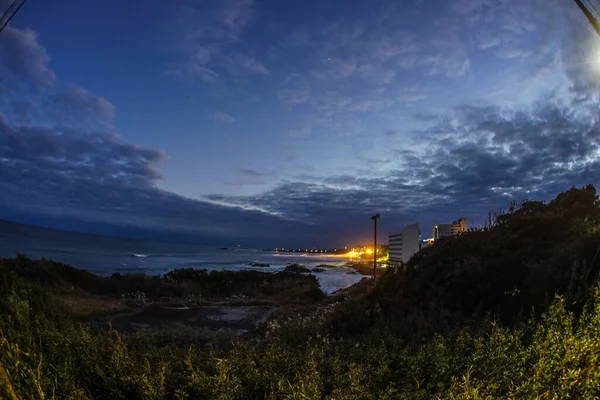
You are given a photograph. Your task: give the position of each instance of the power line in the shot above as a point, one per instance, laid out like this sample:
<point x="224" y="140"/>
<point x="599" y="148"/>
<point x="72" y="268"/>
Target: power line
<point x="589" y="15"/>
<point x="591" y="3"/>
<point x="12" y="5"/>
<point x="4" y="21"/>
<point x="592" y="8"/>
<point x="11" y="16"/>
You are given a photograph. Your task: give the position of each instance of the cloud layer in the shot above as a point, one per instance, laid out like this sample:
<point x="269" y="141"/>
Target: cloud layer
<point x="209" y="42"/>
<point x="482" y="160"/>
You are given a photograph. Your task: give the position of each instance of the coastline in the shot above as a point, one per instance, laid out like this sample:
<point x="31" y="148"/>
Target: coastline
<point x="103" y="255"/>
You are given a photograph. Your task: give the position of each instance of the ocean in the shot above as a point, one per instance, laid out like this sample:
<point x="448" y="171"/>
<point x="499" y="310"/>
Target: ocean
<point x="105" y="255"/>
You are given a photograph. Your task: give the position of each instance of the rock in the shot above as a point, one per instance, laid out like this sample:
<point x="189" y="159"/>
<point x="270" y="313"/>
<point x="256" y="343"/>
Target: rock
<point x="296" y="268"/>
<point x="326" y="266"/>
<point x="255" y="264"/>
<point x="363" y="268"/>
<point x="317" y="270"/>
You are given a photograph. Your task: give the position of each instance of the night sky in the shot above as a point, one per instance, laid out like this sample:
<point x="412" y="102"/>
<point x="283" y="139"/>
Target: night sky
<point x="280" y="123"/>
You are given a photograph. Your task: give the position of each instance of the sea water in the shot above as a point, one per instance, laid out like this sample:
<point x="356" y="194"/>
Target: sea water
<point x="105" y="255"/>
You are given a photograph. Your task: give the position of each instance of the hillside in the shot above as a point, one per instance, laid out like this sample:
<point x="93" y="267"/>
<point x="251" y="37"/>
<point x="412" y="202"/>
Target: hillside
<point x="510" y="310"/>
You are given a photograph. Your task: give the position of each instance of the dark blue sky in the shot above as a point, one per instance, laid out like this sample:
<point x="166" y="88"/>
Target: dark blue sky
<point x="289" y="123"/>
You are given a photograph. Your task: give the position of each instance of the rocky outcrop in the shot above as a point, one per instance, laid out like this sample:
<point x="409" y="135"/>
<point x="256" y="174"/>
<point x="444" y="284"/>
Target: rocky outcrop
<point x="297" y="268"/>
<point x="255" y="264"/>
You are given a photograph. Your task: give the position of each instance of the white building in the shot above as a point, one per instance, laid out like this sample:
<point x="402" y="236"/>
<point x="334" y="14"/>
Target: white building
<point x="453" y="229"/>
<point x="403" y="244"/>
<point x="395" y="248"/>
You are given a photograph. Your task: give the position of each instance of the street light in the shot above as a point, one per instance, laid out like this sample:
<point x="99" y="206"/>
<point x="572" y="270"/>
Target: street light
<point x="375" y="218"/>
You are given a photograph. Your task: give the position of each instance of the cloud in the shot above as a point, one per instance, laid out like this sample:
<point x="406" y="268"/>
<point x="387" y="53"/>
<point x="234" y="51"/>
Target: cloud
<point x="195" y="64"/>
<point x="33" y="92"/>
<point x="236" y="14"/>
<point x="465" y="7"/>
<point x="377" y="53"/>
<point x="99" y="178"/>
<point x="23" y="109"/>
<point x="343" y="32"/>
<point x="246" y="62"/>
<point x="510" y="53"/>
<point x="303" y="131"/>
<point x="410" y="94"/>
<point x="61" y="161"/>
<point x="335" y="104"/>
<point x="72" y="103"/>
<point x="507" y="29"/>
<point x="24" y="61"/>
<point x="209" y="41"/>
<point x="298" y="37"/>
<point x="251" y="173"/>
<point x="223" y="118"/>
<point x="486" y="42"/>
<point x="480" y="161"/>
<point x="295" y="96"/>
<point x="355" y="49"/>
<point x="100" y="156"/>
<point x="448" y="55"/>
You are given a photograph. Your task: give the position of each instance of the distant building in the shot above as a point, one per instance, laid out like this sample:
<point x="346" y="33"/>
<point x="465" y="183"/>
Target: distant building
<point x="411" y="241"/>
<point x="395" y="247"/>
<point x="403" y="244"/>
<point x="452" y="229"/>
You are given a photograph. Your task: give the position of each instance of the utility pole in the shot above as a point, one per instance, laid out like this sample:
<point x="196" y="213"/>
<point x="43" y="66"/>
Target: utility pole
<point x="375" y="218"/>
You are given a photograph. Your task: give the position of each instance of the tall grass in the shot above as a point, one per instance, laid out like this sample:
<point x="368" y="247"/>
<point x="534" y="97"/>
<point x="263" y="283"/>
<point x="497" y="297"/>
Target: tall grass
<point x="46" y="356"/>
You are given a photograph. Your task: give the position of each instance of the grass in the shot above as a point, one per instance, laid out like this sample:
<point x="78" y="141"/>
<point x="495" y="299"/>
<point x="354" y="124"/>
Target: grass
<point x="508" y="311"/>
<point x="556" y="357"/>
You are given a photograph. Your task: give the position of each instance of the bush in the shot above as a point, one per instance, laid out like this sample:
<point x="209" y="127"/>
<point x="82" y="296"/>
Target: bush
<point x="179" y="283"/>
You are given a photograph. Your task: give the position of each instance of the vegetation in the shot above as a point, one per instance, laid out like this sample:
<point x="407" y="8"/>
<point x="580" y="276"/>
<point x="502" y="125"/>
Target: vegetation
<point x="511" y="310"/>
<point x="188" y="284"/>
<point x="365" y="267"/>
